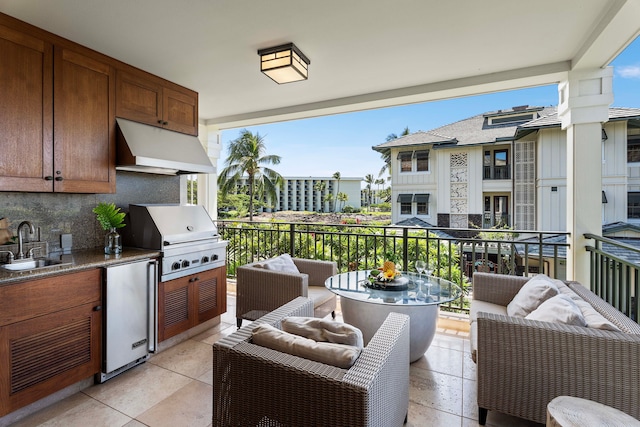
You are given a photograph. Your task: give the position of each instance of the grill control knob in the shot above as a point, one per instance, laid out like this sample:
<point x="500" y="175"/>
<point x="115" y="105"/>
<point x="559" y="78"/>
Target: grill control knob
<point x="205" y="259"/>
<point x="175" y="266"/>
<point x="214" y="257"/>
<point x="185" y="264"/>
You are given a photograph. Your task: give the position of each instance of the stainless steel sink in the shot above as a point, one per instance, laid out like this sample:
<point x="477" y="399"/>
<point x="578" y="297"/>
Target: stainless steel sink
<point x="33" y="264"/>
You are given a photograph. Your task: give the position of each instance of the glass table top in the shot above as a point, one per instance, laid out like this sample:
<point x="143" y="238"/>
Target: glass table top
<point x="416" y="290"/>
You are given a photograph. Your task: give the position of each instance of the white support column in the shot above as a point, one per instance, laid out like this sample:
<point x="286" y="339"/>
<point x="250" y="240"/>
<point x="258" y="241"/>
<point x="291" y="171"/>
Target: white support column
<point x="584" y="100"/>
<point x="208" y="183"/>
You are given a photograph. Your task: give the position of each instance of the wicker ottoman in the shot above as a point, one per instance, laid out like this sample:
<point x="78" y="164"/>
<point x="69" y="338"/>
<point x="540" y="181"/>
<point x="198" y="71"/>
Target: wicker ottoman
<point x="568" y="411"/>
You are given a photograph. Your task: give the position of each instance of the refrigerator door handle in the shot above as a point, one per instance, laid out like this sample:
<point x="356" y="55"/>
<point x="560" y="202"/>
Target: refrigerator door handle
<point x="153" y="305"/>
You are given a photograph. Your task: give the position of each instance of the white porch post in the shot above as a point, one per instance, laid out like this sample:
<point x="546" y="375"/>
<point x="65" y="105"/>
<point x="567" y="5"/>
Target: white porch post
<point x="208" y="183"/>
<point x="584" y="100"/>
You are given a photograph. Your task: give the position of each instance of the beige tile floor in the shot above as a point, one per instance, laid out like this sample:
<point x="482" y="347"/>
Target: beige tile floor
<point x="174" y="388"/>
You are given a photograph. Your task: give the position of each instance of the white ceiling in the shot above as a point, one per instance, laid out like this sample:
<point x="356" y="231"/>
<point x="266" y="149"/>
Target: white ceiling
<point x="364" y="53"/>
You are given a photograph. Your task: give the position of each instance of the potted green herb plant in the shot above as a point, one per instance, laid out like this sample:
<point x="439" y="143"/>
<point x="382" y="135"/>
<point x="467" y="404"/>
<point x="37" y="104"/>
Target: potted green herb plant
<point x="110" y="218"/>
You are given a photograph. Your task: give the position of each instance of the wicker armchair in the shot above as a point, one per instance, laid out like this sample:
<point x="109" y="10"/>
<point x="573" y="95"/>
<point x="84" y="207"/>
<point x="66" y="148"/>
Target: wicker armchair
<point x="259" y="291"/>
<point x="257" y="386"/>
<point x="523" y="364"/>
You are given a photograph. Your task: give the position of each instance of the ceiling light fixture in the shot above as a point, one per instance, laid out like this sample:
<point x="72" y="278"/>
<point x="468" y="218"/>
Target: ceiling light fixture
<point x="284" y="64"/>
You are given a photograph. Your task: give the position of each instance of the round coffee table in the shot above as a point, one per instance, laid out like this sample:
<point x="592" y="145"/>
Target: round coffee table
<point x="366" y="308"/>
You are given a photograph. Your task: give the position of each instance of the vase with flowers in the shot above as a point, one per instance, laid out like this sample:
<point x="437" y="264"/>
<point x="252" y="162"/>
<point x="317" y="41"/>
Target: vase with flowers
<point x="110" y="218"/>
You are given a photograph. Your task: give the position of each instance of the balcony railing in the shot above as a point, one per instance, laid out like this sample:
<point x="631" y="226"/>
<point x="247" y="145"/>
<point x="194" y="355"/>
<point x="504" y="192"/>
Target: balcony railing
<point x="453" y="254"/>
<point x="497" y="172"/>
<point x="615" y="273"/>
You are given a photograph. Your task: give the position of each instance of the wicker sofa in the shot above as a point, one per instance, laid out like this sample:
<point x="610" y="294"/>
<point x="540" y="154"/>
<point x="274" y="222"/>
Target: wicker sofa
<point x="523" y="364"/>
<point x="260" y="291"/>
<point x="257" y="386"/>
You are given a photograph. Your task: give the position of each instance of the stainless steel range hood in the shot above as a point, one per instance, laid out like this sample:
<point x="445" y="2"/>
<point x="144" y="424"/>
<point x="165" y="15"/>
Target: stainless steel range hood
<point x="144" y="148"/>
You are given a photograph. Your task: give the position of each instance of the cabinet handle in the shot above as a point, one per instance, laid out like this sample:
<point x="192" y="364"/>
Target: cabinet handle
<point x="194" y="279"/>
<point x="48" y="178"/>
<point x="159" y="122"/>
<point x="97" y="308"/>
<point x="59" y="178"/>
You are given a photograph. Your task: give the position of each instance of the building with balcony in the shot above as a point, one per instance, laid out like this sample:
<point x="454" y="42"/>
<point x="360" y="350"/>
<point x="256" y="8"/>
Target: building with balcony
<point x="509" y="168"/>
<point x="311" y="194"/>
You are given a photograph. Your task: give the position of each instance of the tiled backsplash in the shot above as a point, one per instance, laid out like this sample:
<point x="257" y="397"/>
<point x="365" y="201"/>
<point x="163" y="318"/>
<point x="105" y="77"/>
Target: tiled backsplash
<point x="61" y="213"/>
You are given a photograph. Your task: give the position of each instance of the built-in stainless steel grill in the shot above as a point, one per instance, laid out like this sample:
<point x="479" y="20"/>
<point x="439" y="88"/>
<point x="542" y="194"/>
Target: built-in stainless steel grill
<point x="186" y="236"/>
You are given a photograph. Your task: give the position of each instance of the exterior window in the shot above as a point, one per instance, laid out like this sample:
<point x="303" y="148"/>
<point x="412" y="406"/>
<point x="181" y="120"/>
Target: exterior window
<point x="422" y="203"/>
<point x="422" y="160"/>
<point x="496" y="166"/>
<point x="405" y="161"/>
<point x="633" y="205"/>
<point x="633" y="150"/>
<point x="405" y="203"/>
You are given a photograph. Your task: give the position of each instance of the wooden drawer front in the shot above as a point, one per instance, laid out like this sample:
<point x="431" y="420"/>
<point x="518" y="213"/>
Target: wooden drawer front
<point x="42" y="355"/>
<point x="25" y="300"/>
<point x="48" y="353"/>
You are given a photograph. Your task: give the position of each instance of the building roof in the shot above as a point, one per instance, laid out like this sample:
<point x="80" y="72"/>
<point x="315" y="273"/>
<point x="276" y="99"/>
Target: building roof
<point x="417" y="222"/>
<point x="551" y="119"/>
<point x="470" y="131"/>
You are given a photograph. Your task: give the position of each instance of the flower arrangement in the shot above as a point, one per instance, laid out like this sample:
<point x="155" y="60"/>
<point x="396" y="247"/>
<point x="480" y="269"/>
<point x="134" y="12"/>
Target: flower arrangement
<point x="386" y="273"/>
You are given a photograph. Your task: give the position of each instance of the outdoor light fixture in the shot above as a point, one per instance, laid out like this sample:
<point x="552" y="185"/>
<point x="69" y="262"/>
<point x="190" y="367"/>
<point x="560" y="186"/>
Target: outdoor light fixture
<point x="284" y="64"/>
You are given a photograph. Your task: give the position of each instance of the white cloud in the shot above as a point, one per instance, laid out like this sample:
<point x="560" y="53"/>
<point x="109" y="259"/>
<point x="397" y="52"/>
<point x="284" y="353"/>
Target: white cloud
<point x="629" y="71"/>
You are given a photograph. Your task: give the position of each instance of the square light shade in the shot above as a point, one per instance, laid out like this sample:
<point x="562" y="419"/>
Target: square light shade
<point x="284" y="64"/>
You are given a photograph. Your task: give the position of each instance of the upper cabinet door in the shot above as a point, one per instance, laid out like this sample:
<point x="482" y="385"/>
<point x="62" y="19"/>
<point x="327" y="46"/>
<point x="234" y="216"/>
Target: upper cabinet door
<point x="138" y="99"/>
<point x="180" y="111"/>
<point x="144" y="98"/>
<point x="84" y="125"/>
<point x="26" y="115"/>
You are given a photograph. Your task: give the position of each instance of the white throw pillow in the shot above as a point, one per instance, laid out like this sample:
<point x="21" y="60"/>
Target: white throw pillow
<point x="282" y="263"/>
<point x="340" y="355"/>
<point x="533" y="293"/>
<point x="323" y="330"/>
<point x="559" y="309"/>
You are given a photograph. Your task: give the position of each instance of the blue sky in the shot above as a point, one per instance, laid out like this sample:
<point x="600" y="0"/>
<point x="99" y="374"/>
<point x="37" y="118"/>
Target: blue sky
<point x="342" y="143"/>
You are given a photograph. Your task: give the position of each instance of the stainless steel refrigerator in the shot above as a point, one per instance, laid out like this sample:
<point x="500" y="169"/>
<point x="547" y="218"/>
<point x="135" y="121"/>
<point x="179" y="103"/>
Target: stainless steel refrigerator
<point x="130" y="316"/>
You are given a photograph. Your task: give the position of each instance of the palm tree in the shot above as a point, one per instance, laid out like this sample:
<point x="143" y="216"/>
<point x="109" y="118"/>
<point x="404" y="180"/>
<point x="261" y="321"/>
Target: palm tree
<point x="329" y="199"/>
<point x="336" y="176"/>
<point x="369" y="179"/>
<point x="386" y="155"/>
<point x="247" y="158"/>
<point x="342" y="197"/>
<point x="319" y="187"/>
<point x="379" y="182"/>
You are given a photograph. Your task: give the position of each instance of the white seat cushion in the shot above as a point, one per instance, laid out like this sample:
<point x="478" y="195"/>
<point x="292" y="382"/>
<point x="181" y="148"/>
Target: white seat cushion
<point x="319" y="295"/>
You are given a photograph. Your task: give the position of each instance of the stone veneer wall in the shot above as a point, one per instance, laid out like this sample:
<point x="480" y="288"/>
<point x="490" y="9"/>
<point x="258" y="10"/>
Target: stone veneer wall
<point x="63" y="213"/>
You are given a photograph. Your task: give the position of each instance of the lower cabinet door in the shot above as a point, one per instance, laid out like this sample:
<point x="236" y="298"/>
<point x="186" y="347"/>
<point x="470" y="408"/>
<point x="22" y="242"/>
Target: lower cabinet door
<point x="48" y="353"/>
<point x="188" y="301"/>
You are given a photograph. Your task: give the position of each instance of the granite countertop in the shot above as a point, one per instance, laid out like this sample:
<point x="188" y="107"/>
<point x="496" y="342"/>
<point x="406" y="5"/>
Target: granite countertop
<point x="77" y="261"/>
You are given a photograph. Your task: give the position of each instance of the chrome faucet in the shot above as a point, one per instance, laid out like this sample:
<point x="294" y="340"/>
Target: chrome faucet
<point x="32" y="230"/>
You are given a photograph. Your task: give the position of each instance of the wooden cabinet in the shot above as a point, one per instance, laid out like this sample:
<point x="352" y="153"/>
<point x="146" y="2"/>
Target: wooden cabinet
<point x="188" y="301"/>
<point x="26" y="115"/>
<point x="50" y="336"/>
<point x="144" y="98"/>
<point x="57" y="115"/>
<point x="84" y="130"/>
